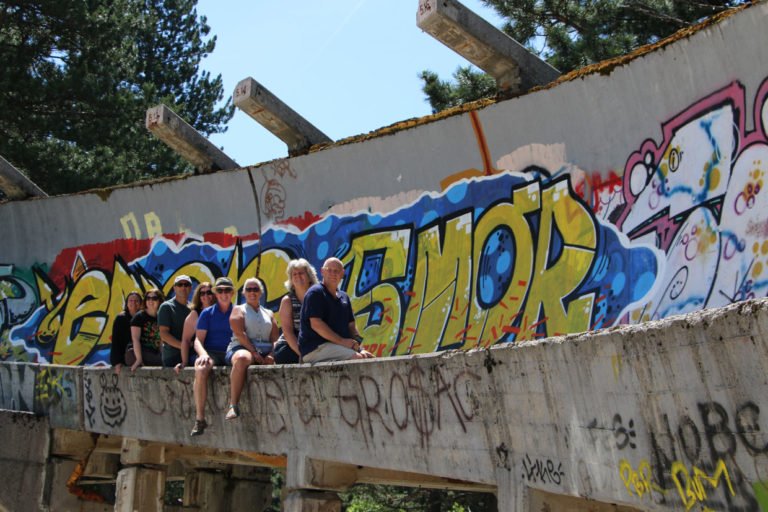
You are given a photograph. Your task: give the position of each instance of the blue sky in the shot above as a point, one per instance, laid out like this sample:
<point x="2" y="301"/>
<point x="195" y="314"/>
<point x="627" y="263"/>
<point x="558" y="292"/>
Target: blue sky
<point x="348" y="66"/>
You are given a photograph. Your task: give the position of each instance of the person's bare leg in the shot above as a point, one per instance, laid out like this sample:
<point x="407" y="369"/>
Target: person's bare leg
<point x="241" y="360"/>
<point x="200" y="389"/>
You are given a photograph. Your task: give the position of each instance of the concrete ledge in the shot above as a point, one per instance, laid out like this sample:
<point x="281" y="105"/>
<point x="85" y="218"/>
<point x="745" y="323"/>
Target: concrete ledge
<point x="52" y="390"/>
<point x="631" y="415"/>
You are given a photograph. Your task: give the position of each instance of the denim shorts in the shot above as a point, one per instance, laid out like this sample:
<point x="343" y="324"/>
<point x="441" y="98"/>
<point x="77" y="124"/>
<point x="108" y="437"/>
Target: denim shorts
<point x="235" y="348"/>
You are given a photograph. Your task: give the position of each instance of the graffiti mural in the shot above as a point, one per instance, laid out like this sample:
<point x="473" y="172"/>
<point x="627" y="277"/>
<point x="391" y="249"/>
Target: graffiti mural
<point x="504" y="258"/>
<point x="523" y="250"/>
<point x="698" y="193"/>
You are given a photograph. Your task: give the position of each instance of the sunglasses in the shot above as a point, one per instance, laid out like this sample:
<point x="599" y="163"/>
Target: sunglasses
<point x="152" y="297"/>
<point x="206" y="292"/>
<point x="183" y="285"/>
<point x="253" y="289"/>
<point x="224" y="290"/>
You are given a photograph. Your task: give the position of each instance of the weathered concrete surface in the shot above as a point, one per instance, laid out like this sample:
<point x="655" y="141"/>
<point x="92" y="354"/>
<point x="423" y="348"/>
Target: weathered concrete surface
<point x="23" y="455"/>
<point x="513" y="66"/>
<point x="578" y="207"/>
<point x="190" y="144"/>
<point x="53" y="390"/>
<point x="664" y="415"/>
<point x="271" y="112"/>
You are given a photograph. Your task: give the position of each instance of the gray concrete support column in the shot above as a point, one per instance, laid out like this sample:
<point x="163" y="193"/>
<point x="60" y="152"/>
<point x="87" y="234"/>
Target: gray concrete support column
<point x="251" y="488"/>
<point x="222" y="489"/>
<point x="204" y="490"/>
<point x="140" y="489"/>
<point x="309" y="484"/>
<point x="23" y="468"/>
<point x="312" y="501"/>
<point x="141" y="482"/>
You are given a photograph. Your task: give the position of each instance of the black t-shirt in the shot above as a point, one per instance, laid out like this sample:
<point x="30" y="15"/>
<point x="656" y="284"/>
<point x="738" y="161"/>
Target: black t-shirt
<point x="150" y="331"/>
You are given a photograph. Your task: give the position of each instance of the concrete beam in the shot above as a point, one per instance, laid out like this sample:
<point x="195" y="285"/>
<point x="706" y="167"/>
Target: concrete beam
<point x="190" y="144"/>
<point x="514" y="67"/>
<point x="15" y="185"/>
<point x="285" y="123"/>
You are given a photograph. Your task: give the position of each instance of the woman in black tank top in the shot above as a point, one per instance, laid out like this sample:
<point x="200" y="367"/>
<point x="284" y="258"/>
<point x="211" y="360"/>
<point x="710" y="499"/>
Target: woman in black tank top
<point x="301" y="275"/>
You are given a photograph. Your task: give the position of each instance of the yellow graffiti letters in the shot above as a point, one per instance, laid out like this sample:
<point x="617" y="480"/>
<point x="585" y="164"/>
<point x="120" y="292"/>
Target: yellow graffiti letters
<point x="270" y="267"/>
<point x="556" y="276"/>
<point x="152" y="221"/>
<point x="131" y="227"/>
<point x="395" y="246"/>
<point x="84" y="318"/>
<point x="691" y="487"/>
<point x="489" y="326"/>
<point x="638" y="482"/>
<point x="441" y="286"/>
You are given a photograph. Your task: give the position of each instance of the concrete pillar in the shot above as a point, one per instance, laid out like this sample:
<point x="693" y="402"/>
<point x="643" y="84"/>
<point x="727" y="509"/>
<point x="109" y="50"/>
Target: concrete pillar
<point x="140" y="489"/>
<point x="251" y="488"/>
<point x="204" y="490"/>
<point x="241" y="488"/>
<point x="141" y="483"/>
<point x="312" y="501"/>
<point x="23" y="456"/>
<point x="285" y="123"/>
<point x="190" y="144"/>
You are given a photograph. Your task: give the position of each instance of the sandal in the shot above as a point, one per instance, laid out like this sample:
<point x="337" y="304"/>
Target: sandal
<point x="233" y="412"/>
<point x="199" y="428"/>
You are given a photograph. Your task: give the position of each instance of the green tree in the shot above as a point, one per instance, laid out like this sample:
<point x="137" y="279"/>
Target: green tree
<point x="78" y="76"/>
<point x="573" y="33"/>
<point x="387" y="498"/>
<point x="469" y="85"/>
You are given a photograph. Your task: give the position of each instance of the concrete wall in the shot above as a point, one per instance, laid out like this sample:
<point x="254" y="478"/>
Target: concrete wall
<point x="613" y="198"/>
<point x="23" y="457"/>
<point x="666" y="415"/>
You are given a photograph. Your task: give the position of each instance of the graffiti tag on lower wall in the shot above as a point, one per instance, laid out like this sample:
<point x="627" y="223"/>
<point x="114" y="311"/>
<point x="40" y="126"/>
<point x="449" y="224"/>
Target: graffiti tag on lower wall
<point x="695" y="459"/>
<point x="525" y="253"/>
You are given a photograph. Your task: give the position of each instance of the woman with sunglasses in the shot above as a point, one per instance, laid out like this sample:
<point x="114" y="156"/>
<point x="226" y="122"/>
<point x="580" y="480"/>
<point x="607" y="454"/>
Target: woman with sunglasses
<point x="254" y="331"/>
<point x="301" y="275"/>
<point x="121" y="331"/>
<point x="201" y="299"/>
<point x="212" y="337"/>
<point x="145" y="333"/>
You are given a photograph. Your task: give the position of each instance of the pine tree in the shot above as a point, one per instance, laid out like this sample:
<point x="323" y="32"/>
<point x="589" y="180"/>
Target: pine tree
<point x="78" y="76"/>
<point x="573" y="33"/>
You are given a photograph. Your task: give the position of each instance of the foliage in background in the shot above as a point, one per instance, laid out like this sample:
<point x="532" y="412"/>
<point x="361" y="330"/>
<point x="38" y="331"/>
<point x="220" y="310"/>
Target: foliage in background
<point x="77" y="79"/>
<point x="387" y="498"/>
<point x="469" y="85"/>
<point x="570" y="34"/>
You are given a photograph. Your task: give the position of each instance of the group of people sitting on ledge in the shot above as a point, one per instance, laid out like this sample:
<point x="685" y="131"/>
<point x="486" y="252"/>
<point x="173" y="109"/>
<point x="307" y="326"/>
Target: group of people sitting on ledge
<point x="316" y="319"/>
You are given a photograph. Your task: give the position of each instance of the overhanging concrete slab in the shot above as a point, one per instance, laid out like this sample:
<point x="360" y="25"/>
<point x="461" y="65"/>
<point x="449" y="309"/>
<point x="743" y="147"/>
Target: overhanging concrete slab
<point x="190" y="144"/>
<point x="285" y="123"/>
<point x="513" y="66"/>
